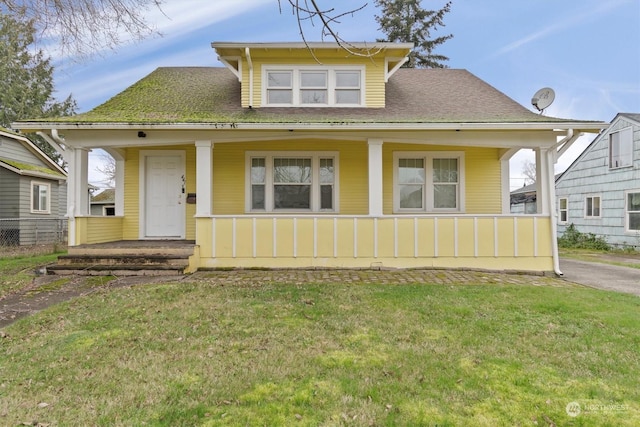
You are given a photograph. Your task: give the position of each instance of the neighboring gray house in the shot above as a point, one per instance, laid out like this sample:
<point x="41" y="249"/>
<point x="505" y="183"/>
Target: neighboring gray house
<point x="523" y="200"/>
<point x="33" y="193"/>
<point x="600" y="192"/>
<point x="104" y="203"/>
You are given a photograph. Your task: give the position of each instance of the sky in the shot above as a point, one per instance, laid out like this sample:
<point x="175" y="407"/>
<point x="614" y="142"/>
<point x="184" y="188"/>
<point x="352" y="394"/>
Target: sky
<point x="588" y="51"/>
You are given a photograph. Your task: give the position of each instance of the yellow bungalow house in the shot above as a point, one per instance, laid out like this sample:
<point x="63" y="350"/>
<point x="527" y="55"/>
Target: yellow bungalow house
<point x="297" y="155"/>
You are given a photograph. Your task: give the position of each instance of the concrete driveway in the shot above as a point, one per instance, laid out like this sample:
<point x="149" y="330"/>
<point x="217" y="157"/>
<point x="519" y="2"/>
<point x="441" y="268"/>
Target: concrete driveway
<point x="602" y="276"/>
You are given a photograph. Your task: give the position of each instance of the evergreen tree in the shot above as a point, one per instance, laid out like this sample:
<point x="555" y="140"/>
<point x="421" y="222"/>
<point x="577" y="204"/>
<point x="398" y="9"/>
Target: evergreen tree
<point x="406" y="21"/>
<point x="26" y="85"/>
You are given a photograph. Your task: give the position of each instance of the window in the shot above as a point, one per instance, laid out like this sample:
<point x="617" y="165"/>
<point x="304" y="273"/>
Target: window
<point x="563" y="210"/>
<point x="284" y="181"/>
<point x="426" y="182"/>
<point x="109" y="210"/>
<point x="633" y="211"/>
<point x="313" y="86"/>
<point x="592" y="207"/>
<point x="621" y="148"/>
<point x="40" y="199"/>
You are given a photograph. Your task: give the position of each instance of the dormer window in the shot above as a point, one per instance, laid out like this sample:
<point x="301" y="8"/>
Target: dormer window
<point x="313" y="86"/>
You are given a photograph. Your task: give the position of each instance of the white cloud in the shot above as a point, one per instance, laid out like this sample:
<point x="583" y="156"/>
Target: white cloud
<point x="563" y="24"/>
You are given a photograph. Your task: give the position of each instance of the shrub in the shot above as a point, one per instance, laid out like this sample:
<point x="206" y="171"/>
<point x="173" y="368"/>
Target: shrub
<point x="574" y="239"/>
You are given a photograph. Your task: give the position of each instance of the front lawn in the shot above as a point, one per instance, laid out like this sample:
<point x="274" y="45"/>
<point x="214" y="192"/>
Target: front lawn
<point x="327" y="354"/>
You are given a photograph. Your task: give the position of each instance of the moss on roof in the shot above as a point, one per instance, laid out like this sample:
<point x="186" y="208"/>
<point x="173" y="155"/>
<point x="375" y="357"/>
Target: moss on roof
<point x="212" y="95"/>
<point x="32" y="168"/>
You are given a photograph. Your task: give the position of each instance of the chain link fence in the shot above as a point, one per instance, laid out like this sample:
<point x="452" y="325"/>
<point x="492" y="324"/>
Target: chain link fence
<point x="32" y="231"/>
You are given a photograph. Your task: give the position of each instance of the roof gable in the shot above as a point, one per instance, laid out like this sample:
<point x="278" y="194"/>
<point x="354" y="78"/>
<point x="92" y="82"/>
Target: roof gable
<point x="20" y="155"/>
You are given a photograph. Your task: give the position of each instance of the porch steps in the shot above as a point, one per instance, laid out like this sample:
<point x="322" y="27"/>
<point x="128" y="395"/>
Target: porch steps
<point x="126" y="258"/>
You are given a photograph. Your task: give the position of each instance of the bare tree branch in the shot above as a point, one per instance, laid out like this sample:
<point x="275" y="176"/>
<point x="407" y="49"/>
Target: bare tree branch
<point x="308" y="10"/>
<point x="84" y="27"/>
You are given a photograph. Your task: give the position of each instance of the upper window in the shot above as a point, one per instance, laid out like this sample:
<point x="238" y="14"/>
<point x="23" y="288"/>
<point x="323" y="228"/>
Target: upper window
<point x="633" y="211"/>
<point x="40" y="197"/>
<point x="592" y="207"/>
<point x="313" y="86"/>
<point x="621" y="148"/>
<point x="428" y="181"/>
<point x="563" y="210"/>
<point x="284" y="181"/>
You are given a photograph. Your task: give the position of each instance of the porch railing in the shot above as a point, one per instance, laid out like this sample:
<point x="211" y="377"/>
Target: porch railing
<point x="456" y="240"/>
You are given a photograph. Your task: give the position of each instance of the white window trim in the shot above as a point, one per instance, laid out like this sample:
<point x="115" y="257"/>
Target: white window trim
<point x="315" y="157"/>
<point x="428" y="157"/>
<point x="626" y="211"/>
<point x="625" y="130"/>
<point x="560" y="221"/>
<point x="331" y="84"/>
<point x="48" y="208"/>
<point x="585" y="206"/>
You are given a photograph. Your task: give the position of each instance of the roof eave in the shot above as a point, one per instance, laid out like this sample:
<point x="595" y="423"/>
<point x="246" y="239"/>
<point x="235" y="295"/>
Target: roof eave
<point x="588" y="127"/>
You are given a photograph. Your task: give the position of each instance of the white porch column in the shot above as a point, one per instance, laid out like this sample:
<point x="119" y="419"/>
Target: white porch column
<point x="81" y="178"/>
<point x="543" y="184"/>
<point x="375" y="177"/>
<point x="505" y="158"/>
<point x="204" y="173"/>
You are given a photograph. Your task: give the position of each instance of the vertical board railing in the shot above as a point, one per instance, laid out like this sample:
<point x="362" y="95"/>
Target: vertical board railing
<point x="290" y="236"/>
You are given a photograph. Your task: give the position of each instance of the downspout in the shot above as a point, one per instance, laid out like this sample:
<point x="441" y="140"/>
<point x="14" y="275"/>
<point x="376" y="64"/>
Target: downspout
<point x="247" y="52"/>
<point x="551" y="161"/>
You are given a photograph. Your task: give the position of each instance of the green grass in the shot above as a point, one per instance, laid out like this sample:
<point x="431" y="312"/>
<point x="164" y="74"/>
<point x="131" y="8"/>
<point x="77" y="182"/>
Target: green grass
<point x="197" y="354"/>
<point x="16" y="273"/>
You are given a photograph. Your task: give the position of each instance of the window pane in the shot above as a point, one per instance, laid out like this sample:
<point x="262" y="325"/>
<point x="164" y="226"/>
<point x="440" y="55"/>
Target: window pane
<point x="633" y="202"/>
<point x="313" y="79"/>
<point x="445" y="170"/>
<point x="36" y="197"/>
<point x="445" y="196"/>
<point x="258" y="171"/>
<point x="279" y="96"/>
<point x="347" y="96"/>
<point x="279" y="79"/>
<point x="326" y="171"/>
<point x="313" y="96"/>
<point x="596" y="206"/>
<point x="292" y="196"/>
<point x="411" y="197"/>
<point x="347" y="79"/>
<point x="411" y="171"/>
<point x="291" y="170"/>
<point x="634" y="221"/>
<point x="326" y="197"/>
<point x="563" y="203"/>
<point x="563" y="216"/>
<point x="257" y="197"/>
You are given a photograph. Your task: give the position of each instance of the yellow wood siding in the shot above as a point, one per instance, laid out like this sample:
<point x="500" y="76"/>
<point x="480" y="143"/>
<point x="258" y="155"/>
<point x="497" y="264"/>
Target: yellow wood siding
<point x="483" y="182"/>
<point x="229" y="173"/>
<point x="462" y="241"/>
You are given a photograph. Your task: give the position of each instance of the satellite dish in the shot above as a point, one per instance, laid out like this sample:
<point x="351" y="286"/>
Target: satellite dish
<point x="543" y="98"/>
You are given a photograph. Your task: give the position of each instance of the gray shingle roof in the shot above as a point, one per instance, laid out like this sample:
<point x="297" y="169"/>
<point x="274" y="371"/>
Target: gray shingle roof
<point x="212" y="95"/>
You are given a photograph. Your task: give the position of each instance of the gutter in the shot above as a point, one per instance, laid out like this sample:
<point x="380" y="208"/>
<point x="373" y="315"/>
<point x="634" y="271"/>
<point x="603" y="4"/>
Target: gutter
<point x="591" y="127"/>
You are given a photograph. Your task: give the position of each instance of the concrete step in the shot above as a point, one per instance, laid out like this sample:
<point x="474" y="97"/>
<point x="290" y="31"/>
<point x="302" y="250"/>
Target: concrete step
<point x="116" y="270"/>
<point x="125" y="260"/>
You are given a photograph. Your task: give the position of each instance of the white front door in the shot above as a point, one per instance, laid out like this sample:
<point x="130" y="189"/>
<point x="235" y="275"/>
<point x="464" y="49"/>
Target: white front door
<point x="164" y="198"/>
